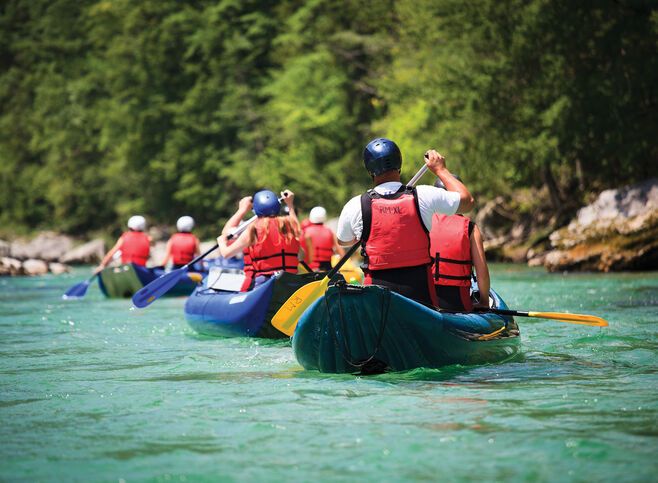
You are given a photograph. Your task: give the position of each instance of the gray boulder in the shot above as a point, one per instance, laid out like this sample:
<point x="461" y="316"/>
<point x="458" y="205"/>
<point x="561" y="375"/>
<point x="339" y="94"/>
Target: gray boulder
<point x="47" y="246"/>
<point x="90" y="253"/>
<point x="10" y="266"/>
<point x="5" y="248"/>
<point x="619" y="231"/>
<point x="158" y="250"/>
<point x="35" y="267"/>
<point x="58" y="268"/>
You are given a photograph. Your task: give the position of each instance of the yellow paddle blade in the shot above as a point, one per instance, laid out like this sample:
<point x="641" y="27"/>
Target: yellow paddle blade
<point x="287" y="316"/>
<point x="573" y="318"/>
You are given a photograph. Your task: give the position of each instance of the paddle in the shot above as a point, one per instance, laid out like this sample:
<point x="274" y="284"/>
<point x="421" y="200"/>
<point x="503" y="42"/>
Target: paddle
<point x="583" y="319"/>
<point x="79" y="289"/>
<point x="165" y="282"/>
<point x="287" y="316"/>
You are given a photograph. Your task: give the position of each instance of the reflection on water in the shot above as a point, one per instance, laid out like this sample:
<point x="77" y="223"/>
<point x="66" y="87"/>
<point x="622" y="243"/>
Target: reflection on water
<point x="92" y="390"/>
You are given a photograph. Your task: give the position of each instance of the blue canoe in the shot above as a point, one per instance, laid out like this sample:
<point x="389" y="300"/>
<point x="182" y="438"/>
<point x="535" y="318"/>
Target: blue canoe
<point x="371" y="329"/>
<point x="243" y="314"/>
<point x="123" y="281"/>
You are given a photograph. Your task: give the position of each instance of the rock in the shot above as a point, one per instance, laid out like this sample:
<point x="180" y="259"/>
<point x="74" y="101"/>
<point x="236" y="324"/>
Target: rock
<point x="90" y="253"/>
<point x="58" y="268"/>
<point x="33" y="266"/>
<point x="158" y="250"/>
<point x="204" y="246"/>
<point x="159" y="233"/>
<point x="536" y="261"/>
<point x="5" y="248"/>
<point x="47" y="246"/>
<point x="619" y="231"/>
<point x="11" y="266"/>
<point x="495" y="218"/>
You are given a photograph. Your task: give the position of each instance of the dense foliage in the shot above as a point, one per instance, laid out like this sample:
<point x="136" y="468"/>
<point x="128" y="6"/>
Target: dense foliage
<point x="113" y="107"/>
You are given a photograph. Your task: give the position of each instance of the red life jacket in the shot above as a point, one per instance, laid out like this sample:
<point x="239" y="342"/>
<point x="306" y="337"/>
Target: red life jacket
<point x="273" y="252"/>
<point x="451" y="247"/>
<point x="322" y="244"/>
<point x="394" y="235"/>
<point x="135" y="247"/>
<point x="248" y="270"/>
<point x="183" y="246"/>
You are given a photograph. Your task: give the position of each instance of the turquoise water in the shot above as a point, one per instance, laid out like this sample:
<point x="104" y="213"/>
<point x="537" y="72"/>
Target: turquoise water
<point x="90" y="390"/>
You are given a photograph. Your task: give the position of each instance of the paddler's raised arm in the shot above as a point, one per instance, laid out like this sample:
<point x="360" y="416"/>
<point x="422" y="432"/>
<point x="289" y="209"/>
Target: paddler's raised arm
<point x="437" y="164"/>
<point x="244" y="206"/>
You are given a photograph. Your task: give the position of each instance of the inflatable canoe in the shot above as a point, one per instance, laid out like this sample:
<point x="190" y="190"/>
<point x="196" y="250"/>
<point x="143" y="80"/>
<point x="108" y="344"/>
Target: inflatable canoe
<point x="371" y="330"/>
<point x="243" y="314"/>
<point x="123" y="281"/>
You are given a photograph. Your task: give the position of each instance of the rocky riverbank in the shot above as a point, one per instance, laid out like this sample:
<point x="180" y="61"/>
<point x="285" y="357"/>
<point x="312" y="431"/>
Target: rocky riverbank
<point x="618" y="231"/>
<point x="51" y="252"/>
<point x="47" y="252"/>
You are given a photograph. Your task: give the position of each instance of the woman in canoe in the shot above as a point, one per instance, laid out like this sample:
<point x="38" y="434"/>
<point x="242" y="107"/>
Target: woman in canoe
<point x="271" y="244"/>
<point x="134" y="245"/>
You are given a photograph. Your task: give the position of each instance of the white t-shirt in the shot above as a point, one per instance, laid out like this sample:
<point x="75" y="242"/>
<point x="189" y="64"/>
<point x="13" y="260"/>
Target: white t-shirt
<point x="431" y="200"/>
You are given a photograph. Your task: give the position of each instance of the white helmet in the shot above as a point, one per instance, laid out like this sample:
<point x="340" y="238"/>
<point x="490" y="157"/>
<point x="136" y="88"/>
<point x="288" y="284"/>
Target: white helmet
<point x="185" y="223"/>
<point x="318" y="215"/>
<point x="137" y="223"/>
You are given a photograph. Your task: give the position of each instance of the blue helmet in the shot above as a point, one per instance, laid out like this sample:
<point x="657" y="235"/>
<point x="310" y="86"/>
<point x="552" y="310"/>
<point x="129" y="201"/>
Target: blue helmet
<point x="382" y="155"/>
<point x="266" y="203"/>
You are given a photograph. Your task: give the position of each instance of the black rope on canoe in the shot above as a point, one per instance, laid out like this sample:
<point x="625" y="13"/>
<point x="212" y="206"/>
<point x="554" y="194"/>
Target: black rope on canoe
<point x="343" y="347"/>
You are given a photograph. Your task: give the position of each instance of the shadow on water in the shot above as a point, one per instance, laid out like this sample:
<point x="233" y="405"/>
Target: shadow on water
<point x="444" y="374"/>
<point x="157" y="448"/>
<point x="531" y="367"/>
<point x="239" y="341"/>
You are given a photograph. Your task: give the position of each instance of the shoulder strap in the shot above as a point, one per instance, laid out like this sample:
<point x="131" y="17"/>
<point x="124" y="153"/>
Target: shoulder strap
<point x="420" y="218"/>
<point x="366" y="215"/>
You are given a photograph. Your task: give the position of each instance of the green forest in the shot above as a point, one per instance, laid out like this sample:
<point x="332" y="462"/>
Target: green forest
<point x="163" y="107"/>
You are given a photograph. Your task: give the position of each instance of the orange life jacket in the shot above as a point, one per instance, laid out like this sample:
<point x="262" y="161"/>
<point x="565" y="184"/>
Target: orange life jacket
<point x="322" y="244"/>
<point x="135" y="247"/>
<point x="183" y="247"/>
<point x="273" y="252"/>
<point x="451" y="248"/>
<point x="394" y="235"/>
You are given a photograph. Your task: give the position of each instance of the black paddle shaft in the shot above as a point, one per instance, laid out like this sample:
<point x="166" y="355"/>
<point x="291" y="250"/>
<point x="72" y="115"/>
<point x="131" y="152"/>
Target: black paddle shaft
<point x="230" y="237"/>
<point x="518" y="313"/>
<point x="204" y="255"/>
<point x="343" y="260"/>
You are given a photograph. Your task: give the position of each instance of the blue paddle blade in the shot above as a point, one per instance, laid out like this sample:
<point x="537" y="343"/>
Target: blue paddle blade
<point x="158" y="287"/>
<point x="78" y="290"/>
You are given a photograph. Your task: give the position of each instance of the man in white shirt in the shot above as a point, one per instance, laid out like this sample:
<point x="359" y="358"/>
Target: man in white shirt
<point x="395" y="228"/>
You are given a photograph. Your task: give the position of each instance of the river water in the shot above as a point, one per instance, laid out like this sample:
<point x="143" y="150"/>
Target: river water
<point x="91" y="390"/>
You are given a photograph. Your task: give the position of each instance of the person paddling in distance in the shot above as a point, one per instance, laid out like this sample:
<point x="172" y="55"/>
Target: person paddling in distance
<point x="320" y="242"/>
<point x="135" y="245"/>
<point x="183" y="246"/>
<point x="457" y="248"/>
<point x="271" y="244"/>
<point x="394" y="221"/>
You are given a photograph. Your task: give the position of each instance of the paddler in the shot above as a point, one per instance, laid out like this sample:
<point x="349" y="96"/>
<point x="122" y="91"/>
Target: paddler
<point x="134" y="245"/>
<point x="456" y="246"/>
<point x="319" y="241"/>
<point x="394" y="221"/>
<point x="183" y="246"/>
<point x="271" y="244"/>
